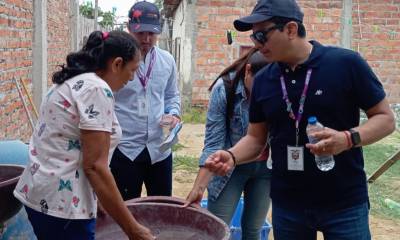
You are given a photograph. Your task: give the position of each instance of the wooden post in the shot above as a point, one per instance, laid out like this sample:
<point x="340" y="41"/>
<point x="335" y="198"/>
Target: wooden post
<point x="385" y="166"/>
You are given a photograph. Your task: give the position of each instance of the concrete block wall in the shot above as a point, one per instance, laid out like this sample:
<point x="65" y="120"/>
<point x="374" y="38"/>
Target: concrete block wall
<point x="16" y="44"/>
<point x="374" y="25"/>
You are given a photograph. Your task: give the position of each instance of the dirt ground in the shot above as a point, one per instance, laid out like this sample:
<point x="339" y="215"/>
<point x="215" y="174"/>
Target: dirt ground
<point x="192" y="136"/>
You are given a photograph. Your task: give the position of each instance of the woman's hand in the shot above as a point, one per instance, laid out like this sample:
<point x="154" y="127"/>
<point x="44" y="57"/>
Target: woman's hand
<point x="194" y="197"/>
<point x="141" y="233"/>
<point x="199" y="186"/>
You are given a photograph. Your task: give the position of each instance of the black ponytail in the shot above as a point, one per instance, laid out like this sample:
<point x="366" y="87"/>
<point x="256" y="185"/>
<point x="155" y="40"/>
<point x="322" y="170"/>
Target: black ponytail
<point x="94" y="55"/>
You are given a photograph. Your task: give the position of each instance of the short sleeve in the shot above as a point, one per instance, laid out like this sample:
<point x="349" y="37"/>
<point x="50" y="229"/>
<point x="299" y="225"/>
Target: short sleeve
<point x="367" y="88"/>
<point x="256" y="114"/>
<point x="95" y="106"/>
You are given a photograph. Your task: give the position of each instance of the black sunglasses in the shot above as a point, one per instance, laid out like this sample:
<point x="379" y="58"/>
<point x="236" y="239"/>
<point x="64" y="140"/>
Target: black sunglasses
<point x="261" y="36"/>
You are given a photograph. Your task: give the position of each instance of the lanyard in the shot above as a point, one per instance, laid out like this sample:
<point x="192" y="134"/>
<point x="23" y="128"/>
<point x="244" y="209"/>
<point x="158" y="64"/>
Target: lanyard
<point x="144" y="79"/>
<point x="301" y="103"/>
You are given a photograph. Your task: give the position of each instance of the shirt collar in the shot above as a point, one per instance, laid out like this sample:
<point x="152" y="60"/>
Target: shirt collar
<point x="240" y="89"/>
<point x="313" y="60"/>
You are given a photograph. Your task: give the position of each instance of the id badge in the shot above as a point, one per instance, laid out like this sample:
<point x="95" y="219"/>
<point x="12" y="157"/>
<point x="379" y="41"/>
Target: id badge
<point x="295" y="158"/>
<point x="142" y="107"/>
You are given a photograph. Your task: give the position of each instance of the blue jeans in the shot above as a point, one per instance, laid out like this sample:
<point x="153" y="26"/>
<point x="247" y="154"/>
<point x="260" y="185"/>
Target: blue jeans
<point x="253" y="179"/>
<point x="344" y="224"/>
<point x="47" y="227"/>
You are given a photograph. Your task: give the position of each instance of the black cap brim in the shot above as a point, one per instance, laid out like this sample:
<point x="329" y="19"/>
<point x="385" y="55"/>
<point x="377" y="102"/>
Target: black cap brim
<point x="246" y="23"/>
<point x="137" y="27"/>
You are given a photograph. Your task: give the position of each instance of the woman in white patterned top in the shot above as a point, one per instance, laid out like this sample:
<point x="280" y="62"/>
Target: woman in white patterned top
<point x="71" y="147"/>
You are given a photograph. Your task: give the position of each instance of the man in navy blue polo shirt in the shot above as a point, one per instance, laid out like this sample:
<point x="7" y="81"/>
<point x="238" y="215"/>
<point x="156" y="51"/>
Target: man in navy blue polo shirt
<point x="330" y="83"/>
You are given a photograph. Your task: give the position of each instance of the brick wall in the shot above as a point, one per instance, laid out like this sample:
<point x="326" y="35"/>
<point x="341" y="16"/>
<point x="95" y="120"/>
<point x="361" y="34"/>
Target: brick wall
<point x="16" y="43"/>
<point x="377" y="38"/>
<point x="377" y="41"/>
<point x="59" y="34"/>
<point x="15" y="62"/>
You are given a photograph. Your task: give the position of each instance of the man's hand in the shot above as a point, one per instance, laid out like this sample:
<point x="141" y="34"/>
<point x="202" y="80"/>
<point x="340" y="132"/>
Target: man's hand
<point x="331" y="142"/>
<point x="175" y="120"/>
<point x="220" y="162"/>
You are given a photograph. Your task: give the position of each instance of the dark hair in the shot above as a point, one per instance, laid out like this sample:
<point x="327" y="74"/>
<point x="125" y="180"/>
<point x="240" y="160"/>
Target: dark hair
<point x="252" y="57"/>
<point x="94" y="55"/>
<point x="301" y="31"/>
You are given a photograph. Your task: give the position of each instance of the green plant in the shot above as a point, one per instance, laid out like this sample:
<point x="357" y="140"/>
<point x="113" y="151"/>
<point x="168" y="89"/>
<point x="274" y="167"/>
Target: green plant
<point x="388" y="184"/>
<point x="194" y="115"/>
<point x="159" y="4"/>
<point x="87" y="10"/>
<point x="187" y="163"/>
<point x="108" y="17"/>
<point x="177" y="147"/>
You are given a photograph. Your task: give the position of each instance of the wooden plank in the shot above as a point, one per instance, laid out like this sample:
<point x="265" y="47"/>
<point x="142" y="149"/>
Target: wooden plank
<point x="385" y="166"/>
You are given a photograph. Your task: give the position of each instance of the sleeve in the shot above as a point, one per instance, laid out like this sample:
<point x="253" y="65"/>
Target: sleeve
<point x="366" y="86"/>
<point x="215" y="134"/>
<point x="95" y="107"/>
<point x="256" y="114"/>
<point x="172" y="99"/>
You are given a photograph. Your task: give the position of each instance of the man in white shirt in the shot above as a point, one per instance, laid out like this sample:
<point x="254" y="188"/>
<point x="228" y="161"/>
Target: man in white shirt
<point x="140" y="106"/>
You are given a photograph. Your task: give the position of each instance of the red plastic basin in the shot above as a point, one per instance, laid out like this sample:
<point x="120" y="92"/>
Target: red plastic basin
<point x="9" y="176"/>
<point x="167" y="220"/>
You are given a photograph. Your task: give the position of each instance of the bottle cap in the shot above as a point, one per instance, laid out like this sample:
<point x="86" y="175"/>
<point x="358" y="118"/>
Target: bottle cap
<point x="312" y="120"/>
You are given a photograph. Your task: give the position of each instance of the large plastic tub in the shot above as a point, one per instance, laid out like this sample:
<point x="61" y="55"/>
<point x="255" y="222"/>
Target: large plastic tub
<point x="235" y="226"/>
<point x="9" y="176"/>
<point x="167" y="220"/>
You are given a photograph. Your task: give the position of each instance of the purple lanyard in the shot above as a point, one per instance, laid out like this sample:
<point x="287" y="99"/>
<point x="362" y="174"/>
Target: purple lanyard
<point x="144" y="79"/>
<point x="301" y="103"/>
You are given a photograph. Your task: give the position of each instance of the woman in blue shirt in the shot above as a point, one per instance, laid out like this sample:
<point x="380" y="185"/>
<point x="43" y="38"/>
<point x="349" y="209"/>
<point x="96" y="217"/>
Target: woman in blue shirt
<point x="227" y="121"/>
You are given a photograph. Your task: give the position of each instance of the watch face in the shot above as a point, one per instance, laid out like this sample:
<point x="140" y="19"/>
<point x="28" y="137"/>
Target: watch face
<point x="355" y="137"/>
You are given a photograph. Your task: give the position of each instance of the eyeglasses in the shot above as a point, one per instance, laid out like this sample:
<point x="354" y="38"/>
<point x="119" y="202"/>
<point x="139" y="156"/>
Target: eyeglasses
<point x="261" y="36"/>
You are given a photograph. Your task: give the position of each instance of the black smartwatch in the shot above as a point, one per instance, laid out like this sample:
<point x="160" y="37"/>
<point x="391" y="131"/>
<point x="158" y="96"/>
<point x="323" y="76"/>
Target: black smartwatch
<point x="355" y="137"/>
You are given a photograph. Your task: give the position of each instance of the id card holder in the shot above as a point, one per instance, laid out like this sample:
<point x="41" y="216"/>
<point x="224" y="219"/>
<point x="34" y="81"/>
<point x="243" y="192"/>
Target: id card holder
<point x="142" y="107"/>
<point x="295" y="156"/>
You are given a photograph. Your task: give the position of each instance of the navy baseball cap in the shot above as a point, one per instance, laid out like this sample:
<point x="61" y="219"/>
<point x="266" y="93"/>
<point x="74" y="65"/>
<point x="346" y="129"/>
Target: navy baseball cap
<point x="144" y="17"/>
<point x="267" y="9"/>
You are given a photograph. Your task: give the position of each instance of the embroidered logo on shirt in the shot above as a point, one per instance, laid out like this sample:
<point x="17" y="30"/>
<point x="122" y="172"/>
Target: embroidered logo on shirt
<point x="44" y="206"/>
<point x="34" y="168"/>
<point x="73" y="144"/>
<point x="318" y="92"/>
<point x="78" y="85"/>
<point x="91" y="112"/>
<point x="65" y="185"/>
<point x="108" y="92"/>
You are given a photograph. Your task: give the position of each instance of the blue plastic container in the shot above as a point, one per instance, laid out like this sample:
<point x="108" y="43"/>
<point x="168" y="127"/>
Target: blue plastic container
<point x="235" y="226"/>
<point x="18" y="227"/>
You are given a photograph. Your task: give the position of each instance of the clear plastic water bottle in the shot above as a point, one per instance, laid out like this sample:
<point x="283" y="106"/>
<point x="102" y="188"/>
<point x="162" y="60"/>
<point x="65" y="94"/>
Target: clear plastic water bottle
<point x="324" y="162"/>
